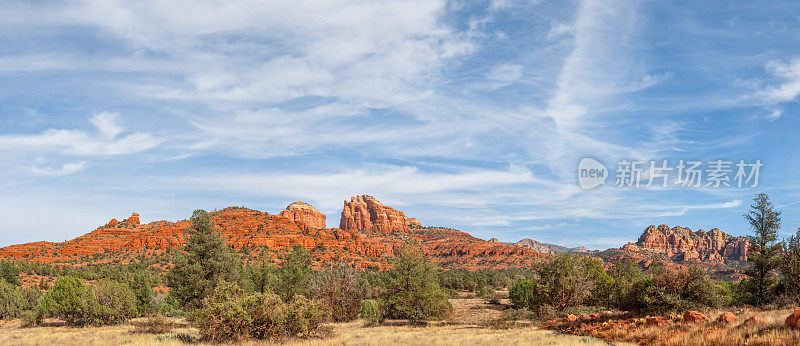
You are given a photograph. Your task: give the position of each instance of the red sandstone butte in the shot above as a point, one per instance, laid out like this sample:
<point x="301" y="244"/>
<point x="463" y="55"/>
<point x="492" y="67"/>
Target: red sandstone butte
<point x="365" y="213"/>
<point x="304" y="213"/>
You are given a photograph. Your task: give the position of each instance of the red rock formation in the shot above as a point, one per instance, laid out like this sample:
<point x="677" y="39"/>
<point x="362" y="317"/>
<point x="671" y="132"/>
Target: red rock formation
<point x="793" y="320"/>
<point x="691" y="316"/>
<point x="727" y="318"/>
<point x="365" y="213"/>
<point x="754" y="321"/>
<point x="682" y="244"/>
<point x="112" y="223"/>
<point x="133" y="220"/>
<point x="265" y="235"/>
<point x="304" y="213"/>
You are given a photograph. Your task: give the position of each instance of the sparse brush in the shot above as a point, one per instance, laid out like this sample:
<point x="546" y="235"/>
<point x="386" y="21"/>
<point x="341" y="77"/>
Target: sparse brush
<point x="30" y="318"/>
<point x="154" y="324"/>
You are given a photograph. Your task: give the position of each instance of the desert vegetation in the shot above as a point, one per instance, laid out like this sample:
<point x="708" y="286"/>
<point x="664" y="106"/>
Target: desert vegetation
<point x="208" y="287"/>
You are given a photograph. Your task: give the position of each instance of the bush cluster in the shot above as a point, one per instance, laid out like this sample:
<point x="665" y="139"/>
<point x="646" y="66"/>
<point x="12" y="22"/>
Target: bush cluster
<point x="231" y="314"/>
<point x="17" y="301"/>
<point x="107" y="302"/>
<point x="568" y="282"/>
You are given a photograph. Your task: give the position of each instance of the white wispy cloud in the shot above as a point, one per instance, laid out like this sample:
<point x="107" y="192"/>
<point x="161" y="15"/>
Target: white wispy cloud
<point x="65" y="169"/>
<point x="787" y="87"/>
<point x="105" y="141"/>
<point x="393" y="182"/>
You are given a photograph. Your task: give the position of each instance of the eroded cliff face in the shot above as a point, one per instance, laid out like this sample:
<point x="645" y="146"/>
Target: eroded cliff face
<point x="681" y="244"/>
<point x="365" y="213"/>
<point x="304" y="213"/>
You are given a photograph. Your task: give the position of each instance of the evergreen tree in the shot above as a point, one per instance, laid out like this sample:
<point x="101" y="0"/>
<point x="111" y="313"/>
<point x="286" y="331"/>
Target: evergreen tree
<point x="9" y="272"/>
<point x="790" y="266"/>
<point x="295" y="274"/>
<point x="206" y="260"/>
<point x="764" y="251"/>
<point x="413" y="291"/>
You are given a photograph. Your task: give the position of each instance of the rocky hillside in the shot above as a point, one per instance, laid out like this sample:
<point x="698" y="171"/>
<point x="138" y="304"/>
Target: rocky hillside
<point x="370" y="236"/>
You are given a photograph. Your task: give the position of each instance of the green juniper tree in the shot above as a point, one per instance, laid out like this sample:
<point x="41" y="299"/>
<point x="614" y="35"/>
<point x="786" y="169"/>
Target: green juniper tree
<point x="206" y="260"/>
<point x="295" y="274"/>
<point x="764" y="252"/>
<point x="790" y="266"/>
<point x="412" y="291"/>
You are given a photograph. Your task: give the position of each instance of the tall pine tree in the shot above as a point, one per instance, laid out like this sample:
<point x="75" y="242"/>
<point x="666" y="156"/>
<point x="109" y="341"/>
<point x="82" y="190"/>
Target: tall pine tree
<point x="764" y="252"/>
<point x="206" y="261"/>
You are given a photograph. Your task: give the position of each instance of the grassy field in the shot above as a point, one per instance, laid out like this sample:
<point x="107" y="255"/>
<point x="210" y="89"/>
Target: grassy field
<point x="470" y="325"/>
<point x="474" y="322"/>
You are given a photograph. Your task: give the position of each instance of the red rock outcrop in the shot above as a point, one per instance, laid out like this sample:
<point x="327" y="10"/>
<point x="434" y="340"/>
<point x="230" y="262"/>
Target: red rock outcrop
<point x="691" y="316"/>
<point x="727" y="318"/>
<point x="304" y="213"/>
<point x="365" y="213"/>
<point x="681" y="244"/>
<point x="754" y="321"/>
<point x="133" y="220"/>
<point x="793" y="320"/>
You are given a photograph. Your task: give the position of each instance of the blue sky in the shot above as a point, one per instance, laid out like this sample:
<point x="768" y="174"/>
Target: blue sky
<point x="471" y="115"/>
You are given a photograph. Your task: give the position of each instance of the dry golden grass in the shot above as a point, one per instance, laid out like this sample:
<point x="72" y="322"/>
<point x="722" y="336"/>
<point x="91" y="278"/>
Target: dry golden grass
<point x="353" y="334"/>
<point x="676" y="332"/>
<point x="52" y="333"/>
<point x="343" y="334"/>
<point x="468" y="326"/>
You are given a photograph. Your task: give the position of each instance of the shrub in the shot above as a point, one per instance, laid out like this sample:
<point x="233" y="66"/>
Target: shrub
<point x="155" y="324"/>
<point x="495" y="298"/>
<point x="230" y="314"/>
<point x="142" y="286"/>
<point x="9" y="272"/>
<point x="224" y="316"/>
<point x="484" y="292"/>
<point x="168" y="306"/>
<point x="413" y="291"/>
<point x="295" y="274"/>
<point x="116" y="302"/>
<point x="263" y="278"/>
<point x="304" y="316"/>
<point x="339" y="287"/>
<point x="527" y="294"/>
<point x="370" y="313"/>
<point x="12" y="302"/>
<point x="30" y="318"/>
<point x="70" y="300"/>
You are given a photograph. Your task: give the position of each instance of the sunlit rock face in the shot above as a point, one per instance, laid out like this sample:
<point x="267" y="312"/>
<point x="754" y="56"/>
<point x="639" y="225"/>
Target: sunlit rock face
<point x="367" y="213"/>
<point x="681" y="243"/>
<point x="304" y="213"/>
